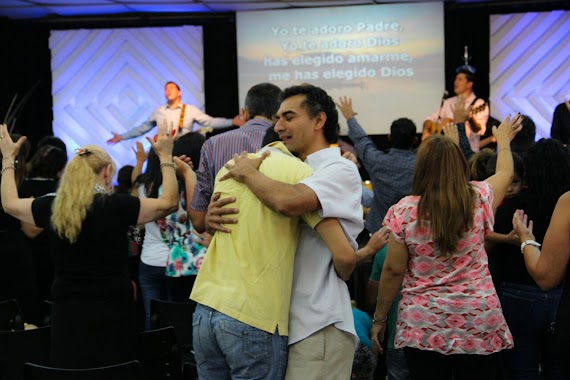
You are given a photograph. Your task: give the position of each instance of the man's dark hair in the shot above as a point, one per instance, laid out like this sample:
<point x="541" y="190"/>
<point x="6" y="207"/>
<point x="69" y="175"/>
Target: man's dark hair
<point x="525" y="138"/>
<point x="317" y="100"/>
<point x="402" y="133"/>
<point x="190" y="145"/>
<point x="263" y="100"/>
<point x="124" y="184"/>
<point x="468" y="74"/>
<point x="174" y="83"/>
<point x="47" y="162"/>
<point x="53" y="141"/>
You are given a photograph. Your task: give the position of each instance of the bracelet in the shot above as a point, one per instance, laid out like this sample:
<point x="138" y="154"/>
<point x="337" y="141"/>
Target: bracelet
<point x="509" y="149"/>
<point x="12" y="161"/>
<point x="529" y="242"/>
<point x="167" y="164"/>
<point x="8" y="167"/>
<point x="381" y="301"/>
<point x="378" y="320"/>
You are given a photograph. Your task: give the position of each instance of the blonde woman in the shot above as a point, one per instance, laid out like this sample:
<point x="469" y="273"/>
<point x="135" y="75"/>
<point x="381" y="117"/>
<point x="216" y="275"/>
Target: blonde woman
<point x="450" y="323"/>
<point x="93" y="315"/>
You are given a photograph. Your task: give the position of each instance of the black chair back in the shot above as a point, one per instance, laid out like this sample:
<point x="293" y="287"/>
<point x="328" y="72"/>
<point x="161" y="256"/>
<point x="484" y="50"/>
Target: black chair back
<point x="125" y="371"/>
<point x="179" y="316"/>
<point x="20" y="347"/>
<point x="10" y="316"/>
<point x="159" y="354"/>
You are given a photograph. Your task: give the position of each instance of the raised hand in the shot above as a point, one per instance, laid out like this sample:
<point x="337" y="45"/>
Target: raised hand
<point x="450" y="130"/>
<point x="508" y="128"/>
<point x="140" y="153"/>
<point x="9" y="147"/>
<point x="460" y="114"/>
<point x="522" y="226"/>
<point x="164" y="141"/>
<point x="345" y="106"/>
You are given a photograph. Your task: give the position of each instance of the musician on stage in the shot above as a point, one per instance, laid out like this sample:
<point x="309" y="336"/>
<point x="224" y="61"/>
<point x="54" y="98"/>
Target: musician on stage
<point x="464" y="107"/>
<point x="181" y="116"/>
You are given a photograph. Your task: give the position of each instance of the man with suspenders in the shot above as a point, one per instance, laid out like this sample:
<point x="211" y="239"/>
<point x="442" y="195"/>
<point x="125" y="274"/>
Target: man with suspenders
<point x="181" y="116"/>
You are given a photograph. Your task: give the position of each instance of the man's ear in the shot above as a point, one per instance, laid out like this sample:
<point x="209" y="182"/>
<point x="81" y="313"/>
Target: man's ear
<point x="320" y="120"/>
<point x="244" y="114"/>
<point x="107" y="174"/>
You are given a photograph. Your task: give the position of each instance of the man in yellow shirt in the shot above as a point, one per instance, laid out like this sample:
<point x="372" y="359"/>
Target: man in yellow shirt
<point x="243" y="289"/>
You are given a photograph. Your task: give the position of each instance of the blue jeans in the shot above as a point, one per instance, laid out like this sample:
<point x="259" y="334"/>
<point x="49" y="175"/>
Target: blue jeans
<point x="530" y="313"/>
<point x="152" y="281"/>
<point x="396" y="365"/>
<point x="225" y="348"/>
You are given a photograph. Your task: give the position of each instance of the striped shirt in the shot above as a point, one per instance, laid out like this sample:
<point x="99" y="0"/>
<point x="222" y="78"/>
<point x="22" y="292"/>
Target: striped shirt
<point x="218" y="150"/>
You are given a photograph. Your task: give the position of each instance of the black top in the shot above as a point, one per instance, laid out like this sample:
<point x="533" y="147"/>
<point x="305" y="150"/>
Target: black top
<point x="509" y="260"/>
<point x="36" y="187"/>
<point x="560" y="129"/>
<point x="95" y="266"/>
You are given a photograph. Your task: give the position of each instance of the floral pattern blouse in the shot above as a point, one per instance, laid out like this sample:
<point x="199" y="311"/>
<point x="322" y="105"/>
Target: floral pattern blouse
<point x="186" y="252"/>
<point x="449" y="304"/>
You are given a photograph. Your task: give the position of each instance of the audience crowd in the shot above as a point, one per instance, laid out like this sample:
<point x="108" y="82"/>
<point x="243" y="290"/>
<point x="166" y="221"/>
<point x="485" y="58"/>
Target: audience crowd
<point x="465" y="250"/>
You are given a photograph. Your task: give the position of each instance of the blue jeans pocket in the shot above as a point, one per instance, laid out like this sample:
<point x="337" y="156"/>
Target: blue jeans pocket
<point x="197" y="340"/>
<point x="248" y="348"/>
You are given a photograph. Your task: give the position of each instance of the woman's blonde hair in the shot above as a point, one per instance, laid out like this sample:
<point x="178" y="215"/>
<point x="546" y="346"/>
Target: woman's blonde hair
<point x="441" y="179"/>
<point x="74" y="196"/>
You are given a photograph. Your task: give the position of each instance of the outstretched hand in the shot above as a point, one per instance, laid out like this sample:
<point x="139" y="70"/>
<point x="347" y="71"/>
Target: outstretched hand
<point x="242" y="165"/>
<point x="9" y="147"/>
<point x="115" y="139"/>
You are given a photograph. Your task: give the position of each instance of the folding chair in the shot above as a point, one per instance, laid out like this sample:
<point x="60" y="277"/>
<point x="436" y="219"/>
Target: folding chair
<point x="179" y="316"/>
<point x="20" y="347"/>
<point x="125" y="371"/>
<point x="10" y="316"/>
<point x="159" y="354"/>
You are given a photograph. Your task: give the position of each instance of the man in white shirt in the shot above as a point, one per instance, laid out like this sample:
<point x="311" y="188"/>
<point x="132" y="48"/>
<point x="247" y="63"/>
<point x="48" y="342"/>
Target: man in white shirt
<point x="464" y="107"/>
<point x="322" y="337"/>
<point x="181" y="116"/>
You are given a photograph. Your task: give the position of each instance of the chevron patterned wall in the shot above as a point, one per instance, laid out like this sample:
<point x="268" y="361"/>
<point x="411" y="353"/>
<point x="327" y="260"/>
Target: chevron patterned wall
<point x="110" y="80"/>
<point x="530" y="65"/>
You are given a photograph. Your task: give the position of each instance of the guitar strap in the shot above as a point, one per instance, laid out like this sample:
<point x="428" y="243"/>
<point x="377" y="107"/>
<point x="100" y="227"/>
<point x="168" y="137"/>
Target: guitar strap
<point x="181" y="121"/>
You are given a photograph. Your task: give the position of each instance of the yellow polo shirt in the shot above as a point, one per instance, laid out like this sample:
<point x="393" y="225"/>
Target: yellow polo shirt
<point x="247" y="274"/>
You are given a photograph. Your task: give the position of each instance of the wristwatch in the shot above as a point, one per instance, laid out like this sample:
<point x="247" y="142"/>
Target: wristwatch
<point x="529" y="242"/>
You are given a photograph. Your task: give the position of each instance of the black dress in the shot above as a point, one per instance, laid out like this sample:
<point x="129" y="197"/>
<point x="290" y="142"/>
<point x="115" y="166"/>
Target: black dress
<point x="93" y="321"/>
<point x="17" y="269"/>
<point x="38" y="247"/>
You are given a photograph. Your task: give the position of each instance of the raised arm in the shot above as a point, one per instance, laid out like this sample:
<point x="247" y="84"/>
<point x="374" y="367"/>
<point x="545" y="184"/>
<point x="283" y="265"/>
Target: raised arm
<point x="152" y="209"/>
<point x="11" y="203"/>
<point x="504" y="171"/>
<point x="365" y="148"/>
<point x="547" y="267"/>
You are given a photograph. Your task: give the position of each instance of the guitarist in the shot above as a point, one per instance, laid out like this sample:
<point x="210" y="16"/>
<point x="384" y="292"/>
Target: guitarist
<point x="464" y="107"/>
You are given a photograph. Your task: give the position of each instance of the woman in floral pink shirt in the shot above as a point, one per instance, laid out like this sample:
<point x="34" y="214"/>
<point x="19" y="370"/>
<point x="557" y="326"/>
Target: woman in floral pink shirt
<point x="450" y="322"/>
